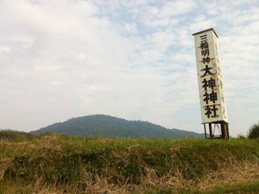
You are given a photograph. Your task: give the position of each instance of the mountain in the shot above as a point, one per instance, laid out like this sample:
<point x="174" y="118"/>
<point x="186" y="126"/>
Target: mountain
<point x="112" y="127"/>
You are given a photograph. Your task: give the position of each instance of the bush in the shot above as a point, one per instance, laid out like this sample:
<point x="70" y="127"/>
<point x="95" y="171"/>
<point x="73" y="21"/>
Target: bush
<point x="10" y="135"/>
<point x="240" y="136"/>
<point x="253" y="131"/>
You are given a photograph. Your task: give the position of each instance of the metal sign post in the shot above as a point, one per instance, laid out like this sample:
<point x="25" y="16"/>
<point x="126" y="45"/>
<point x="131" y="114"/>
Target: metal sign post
<point x="212" y="100"/>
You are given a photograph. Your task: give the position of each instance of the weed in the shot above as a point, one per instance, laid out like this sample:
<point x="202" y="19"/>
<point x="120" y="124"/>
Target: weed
<point x="141" y="165"/>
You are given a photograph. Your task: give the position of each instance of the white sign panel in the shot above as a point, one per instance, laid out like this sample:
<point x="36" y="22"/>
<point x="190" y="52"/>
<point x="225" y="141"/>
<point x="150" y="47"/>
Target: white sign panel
<point x="213" y="107"/>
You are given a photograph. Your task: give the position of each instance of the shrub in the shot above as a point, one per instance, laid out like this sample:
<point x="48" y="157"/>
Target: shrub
<point x="253" y="131"/>
<point x="11" y="135"/>
<point x="240" y="136"/>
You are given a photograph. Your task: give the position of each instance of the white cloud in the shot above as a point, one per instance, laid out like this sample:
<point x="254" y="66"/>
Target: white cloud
<point x="177" y="7"/>
<point x="131" y="59"/>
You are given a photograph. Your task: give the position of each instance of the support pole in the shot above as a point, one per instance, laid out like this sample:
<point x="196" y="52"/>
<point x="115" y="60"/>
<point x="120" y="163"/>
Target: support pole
<point x="205" y="131"/>
<point x="223" y="132"/>
<point x="211" y="134"/>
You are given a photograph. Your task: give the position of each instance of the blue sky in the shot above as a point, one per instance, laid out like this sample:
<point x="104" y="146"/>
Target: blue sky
<point x="130" y="59"/>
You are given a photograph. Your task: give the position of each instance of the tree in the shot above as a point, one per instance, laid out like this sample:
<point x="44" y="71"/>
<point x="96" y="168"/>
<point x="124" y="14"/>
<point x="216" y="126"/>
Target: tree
<point x="254" y="131"/>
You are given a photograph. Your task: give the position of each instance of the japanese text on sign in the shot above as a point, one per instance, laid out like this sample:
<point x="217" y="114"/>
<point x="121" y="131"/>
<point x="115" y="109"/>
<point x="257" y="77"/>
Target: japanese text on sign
<point x="209" y="77"/>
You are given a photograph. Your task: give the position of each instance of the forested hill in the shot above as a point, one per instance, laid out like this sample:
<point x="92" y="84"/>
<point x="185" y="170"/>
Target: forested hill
<point x="112" y="127"/>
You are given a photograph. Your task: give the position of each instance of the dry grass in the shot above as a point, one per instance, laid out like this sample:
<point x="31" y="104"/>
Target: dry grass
<point x="5" y="163"/>
<point x="176" y="158"/>
<point x="236" y="173"/>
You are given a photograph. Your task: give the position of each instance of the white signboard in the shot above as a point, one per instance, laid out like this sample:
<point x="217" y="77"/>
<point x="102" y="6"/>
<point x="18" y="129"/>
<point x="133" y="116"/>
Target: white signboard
<point x="213" y="107"/>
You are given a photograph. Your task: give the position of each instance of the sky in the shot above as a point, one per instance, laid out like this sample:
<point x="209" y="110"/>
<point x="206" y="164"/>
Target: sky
<point x="132" y="59"/>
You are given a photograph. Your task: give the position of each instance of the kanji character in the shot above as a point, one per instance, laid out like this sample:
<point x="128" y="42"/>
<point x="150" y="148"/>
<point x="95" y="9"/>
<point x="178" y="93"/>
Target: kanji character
<point x="211" y="83"/>
<point x="210" y="97"/>
<point x="205" y="52"/>
<point x="207" y="70"/>
<point x="212" y="111"/>
<point x="204" y="45"/>
<point x="206" y="60"/>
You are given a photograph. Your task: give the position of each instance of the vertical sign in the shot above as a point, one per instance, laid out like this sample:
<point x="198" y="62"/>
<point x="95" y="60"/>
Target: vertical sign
<point x="213" y="107"/>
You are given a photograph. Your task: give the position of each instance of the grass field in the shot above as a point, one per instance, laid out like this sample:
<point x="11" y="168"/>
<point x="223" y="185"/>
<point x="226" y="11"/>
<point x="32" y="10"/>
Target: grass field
<point x="61" y="164"/>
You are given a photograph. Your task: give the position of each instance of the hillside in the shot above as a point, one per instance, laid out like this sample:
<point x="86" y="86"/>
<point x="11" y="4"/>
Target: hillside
<point x="50" y="163"/>
<point x="112" y="127"/>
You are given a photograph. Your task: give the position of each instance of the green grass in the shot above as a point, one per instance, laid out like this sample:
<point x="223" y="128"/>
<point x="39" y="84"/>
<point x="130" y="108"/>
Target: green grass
<point x="59" y="161"/>
<point x="15" y="136"/>
<point x="249" y="188"/>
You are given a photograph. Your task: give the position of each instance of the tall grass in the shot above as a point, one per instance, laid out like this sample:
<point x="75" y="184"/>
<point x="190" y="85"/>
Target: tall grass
<point x="86" y="164"/>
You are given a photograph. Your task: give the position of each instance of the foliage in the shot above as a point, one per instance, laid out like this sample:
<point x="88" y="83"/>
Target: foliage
<point x="112" y="127"/>
<point x="77" y="163"/>
<point x="254" y="131"/>
<point x="10" y="135"/>
<point x="250" y="188"/>
<point x="240" y="136"/>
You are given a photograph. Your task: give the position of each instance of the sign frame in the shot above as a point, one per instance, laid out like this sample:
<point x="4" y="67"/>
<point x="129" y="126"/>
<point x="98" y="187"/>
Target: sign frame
<point x="210" y="81"/>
